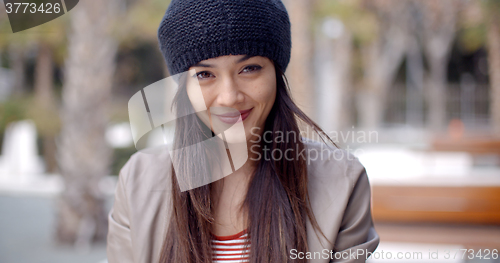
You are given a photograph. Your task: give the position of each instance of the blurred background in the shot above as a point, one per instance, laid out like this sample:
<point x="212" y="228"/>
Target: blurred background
<point x="411" y="87"/>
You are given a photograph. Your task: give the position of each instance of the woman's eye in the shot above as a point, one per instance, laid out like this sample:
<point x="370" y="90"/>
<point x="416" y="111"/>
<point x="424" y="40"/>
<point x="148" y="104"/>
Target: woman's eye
<point x="251" y="68"/>
<point x="203" y="75"/>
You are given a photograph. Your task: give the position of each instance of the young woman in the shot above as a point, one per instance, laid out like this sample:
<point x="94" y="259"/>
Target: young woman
<point x="289" y="200"/>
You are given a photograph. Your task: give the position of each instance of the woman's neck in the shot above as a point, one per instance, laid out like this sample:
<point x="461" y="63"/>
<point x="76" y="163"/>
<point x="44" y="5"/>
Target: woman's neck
<point x="228" y="195"/>
<point x="235" y="183"/>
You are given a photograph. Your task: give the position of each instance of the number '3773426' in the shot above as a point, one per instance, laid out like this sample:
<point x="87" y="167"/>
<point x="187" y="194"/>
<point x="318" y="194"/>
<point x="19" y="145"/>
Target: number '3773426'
<point x="26" y="14"/>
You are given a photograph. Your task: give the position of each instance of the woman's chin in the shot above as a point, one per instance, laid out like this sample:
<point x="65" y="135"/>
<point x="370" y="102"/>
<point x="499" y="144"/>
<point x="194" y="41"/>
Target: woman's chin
<point x="233" y="138"/>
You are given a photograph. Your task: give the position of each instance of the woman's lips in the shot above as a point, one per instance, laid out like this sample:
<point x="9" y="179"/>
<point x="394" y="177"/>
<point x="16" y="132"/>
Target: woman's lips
<point x="232" y="118"/>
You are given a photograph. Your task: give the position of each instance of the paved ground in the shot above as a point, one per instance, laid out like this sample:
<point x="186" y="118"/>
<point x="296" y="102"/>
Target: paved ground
<point x="27" y="224"/>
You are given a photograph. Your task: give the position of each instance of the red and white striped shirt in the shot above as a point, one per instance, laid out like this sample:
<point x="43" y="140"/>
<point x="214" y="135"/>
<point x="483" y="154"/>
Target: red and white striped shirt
<point x="231" y="249"/>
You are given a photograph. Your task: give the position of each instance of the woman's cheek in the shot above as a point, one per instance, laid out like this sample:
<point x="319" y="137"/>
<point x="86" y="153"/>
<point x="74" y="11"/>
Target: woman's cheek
<point x="265" y="93"/>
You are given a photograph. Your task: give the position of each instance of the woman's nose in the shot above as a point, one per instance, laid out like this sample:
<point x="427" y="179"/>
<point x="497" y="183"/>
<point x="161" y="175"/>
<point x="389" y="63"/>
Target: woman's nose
<point x="229" y="93"/>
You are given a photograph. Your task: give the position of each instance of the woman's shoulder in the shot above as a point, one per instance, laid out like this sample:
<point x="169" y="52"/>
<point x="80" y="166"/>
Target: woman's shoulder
<point x="140" y="208"/>
<point x="147" y="169"/>
<point x="327" y="160"/>
<point x="340" y="194"/>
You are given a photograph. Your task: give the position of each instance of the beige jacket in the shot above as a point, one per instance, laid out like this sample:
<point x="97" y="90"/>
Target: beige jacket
<point x="338" y="188"/>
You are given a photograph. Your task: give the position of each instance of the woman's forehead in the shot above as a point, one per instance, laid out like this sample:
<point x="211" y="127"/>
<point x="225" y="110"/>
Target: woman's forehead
<point x="227" y="59"/>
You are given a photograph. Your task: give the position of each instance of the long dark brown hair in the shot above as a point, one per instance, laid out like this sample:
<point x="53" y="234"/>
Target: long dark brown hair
<point x="274" y="227"/>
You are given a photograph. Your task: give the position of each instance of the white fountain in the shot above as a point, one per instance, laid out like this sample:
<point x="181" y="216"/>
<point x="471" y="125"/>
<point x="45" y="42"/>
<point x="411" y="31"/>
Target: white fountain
<point x="19" y="163"/>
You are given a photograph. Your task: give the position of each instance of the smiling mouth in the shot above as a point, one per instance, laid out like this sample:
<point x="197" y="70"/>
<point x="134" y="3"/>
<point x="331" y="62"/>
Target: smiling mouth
<point x="232" y="118"/>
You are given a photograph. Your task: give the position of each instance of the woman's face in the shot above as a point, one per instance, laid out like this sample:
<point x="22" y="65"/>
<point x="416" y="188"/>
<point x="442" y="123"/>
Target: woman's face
<point x="233" y="88"/>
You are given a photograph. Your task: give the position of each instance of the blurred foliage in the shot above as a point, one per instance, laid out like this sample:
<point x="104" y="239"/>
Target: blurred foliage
<point x="120" y="157"/>
<point x="45" y="118"/>
<point x="12" y="110"/>
<point x="360" y="21"/>
<point x="473" y="25"/>
<point x="52" y="33"/>
<point x="119" y="110"/>
<point x="471" y="33"/>
<point x="472" y="38"/>
<point x="140" y="22"/>
<point x="493" y="6"/>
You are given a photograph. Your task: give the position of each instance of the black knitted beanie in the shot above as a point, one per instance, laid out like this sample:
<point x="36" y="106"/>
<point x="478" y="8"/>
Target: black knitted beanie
<point x="195" y="30"/>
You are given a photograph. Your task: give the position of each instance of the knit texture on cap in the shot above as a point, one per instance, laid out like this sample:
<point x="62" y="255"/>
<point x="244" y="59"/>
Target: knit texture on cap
<point x="195" y="30"/>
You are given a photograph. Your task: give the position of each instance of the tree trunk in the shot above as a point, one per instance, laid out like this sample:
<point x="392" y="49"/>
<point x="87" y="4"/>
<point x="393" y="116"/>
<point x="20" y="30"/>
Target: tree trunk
<point x="44" y="76"/>
<point x="414" y="83"/>
<point x="299" y="70"/>
<point x="382" y="58"/>
<point x="381" y="64"/>
<point x="494" y="67"/>
<point x="44" y="98"/>
<point x="436" y="94"/>
<point x="83" y="154"/>
<point x="439" y="27"/>
<point x="333" y="70"/>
